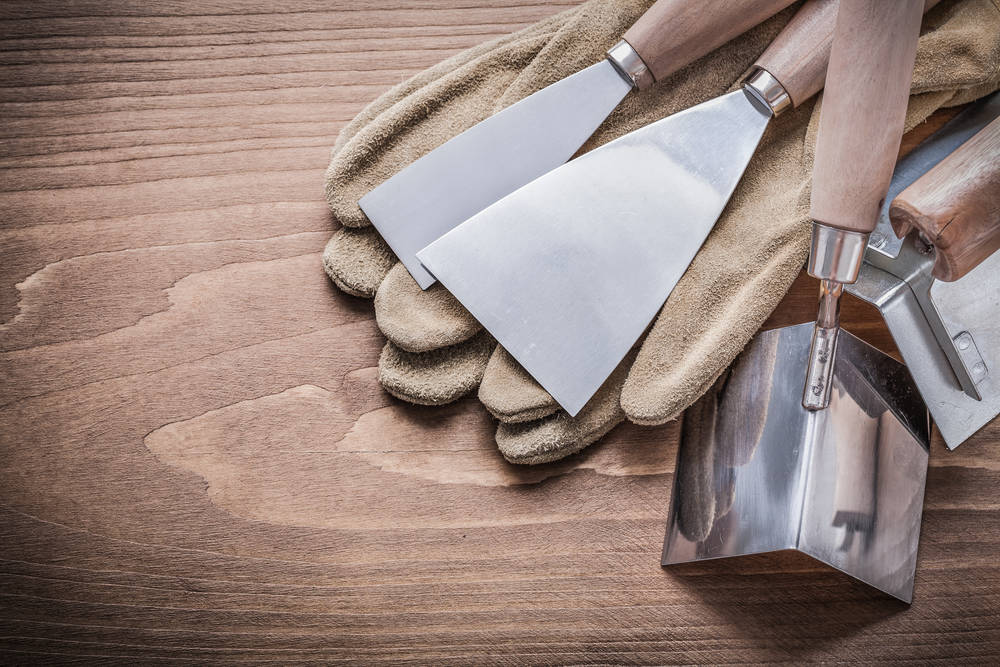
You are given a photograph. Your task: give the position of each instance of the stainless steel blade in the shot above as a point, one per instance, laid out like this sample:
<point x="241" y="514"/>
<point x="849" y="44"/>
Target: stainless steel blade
<point x="492" y="159"/>
<point x="756" y="472"/>
<point x="569" y="270"/>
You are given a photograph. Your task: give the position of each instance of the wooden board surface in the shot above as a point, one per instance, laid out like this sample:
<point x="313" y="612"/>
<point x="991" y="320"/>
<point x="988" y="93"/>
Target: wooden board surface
<point x="196" y="462"/>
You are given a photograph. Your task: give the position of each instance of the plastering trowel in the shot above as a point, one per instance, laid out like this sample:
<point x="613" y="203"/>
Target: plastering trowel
<point x="520" y="143"/>
<point x="568" y="271"/>
<point x="756" y="472"/>
<point x="759" y="469"/>
<point x="938" y="283"/>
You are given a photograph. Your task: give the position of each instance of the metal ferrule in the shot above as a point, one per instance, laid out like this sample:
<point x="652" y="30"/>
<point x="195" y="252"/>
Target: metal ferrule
<point x="630" y="65"/>
<point x="836" y="254"/>
<point x="767" y="91"/>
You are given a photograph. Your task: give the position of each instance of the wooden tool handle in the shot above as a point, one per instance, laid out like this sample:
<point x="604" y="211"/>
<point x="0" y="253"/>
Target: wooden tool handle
<point x="798" y="57"/>
<point x="864" y="108"/>
<point x="675" y="33"/>
<point x="957" y="205"/>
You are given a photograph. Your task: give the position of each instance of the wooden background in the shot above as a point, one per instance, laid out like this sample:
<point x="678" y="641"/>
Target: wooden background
<point x="197" y="463"/>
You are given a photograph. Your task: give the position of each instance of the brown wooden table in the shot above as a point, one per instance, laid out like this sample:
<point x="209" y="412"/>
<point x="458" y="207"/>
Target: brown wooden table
<point x="197" y="462"/>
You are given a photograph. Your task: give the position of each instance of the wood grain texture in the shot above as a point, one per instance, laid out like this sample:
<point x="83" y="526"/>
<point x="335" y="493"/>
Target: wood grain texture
<point x="956" y="205"/>
<point x="798" y="57"/>
<point x="864" y="108"/>
<point x="197" y="464"/>
<point x="675" y="33"/>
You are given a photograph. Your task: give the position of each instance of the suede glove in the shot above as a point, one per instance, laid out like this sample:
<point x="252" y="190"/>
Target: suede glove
<point x="436" y="352"/>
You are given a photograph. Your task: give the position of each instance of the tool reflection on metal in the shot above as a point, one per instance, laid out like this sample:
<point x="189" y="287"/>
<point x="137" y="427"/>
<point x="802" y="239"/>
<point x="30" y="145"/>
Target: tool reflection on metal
<point x="757" y="472"/>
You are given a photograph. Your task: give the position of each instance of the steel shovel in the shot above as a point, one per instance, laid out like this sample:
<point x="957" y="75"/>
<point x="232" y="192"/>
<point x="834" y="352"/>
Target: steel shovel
<point x="568" y="271"/>
<point x="537" y="134"/>
<point x="938" y="286"/>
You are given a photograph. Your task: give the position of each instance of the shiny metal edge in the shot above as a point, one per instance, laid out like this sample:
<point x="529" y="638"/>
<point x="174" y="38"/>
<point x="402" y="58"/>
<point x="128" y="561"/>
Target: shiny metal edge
<point x="836" y="254"/>
<point x="767" y="90"/>
<point x="628" y="63"/>
<point x="792" y="482"/>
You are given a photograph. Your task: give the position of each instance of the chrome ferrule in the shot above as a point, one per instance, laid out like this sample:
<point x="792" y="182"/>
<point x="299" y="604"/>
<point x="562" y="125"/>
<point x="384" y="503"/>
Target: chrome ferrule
<point x="836" y="254"/>
<point x="630" y="65"/>
<point x="767" y="91"/>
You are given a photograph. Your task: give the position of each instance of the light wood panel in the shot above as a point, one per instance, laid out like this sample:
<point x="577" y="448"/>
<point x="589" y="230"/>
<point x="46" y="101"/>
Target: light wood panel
<point x="196" y="462"/>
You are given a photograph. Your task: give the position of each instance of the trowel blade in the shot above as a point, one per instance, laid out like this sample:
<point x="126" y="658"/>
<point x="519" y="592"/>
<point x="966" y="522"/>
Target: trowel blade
<point x="489" y="160"/>
<point x="757" y="472"/>
<point x="568" y="271"/>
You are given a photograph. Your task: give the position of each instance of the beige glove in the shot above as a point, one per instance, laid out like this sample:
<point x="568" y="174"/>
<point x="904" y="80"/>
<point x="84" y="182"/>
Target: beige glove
<point x="437" y="352"/>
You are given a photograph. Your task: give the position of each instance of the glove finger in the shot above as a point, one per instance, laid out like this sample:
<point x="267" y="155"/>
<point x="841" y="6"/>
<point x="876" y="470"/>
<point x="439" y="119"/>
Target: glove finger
<point x="436" y="377"/>
<point x="560" y="435"/>
<point x="510" y="394"/>
<point x="449" y="99"/>
<point x="357" y="261"/>
<point x="421" y="320"/>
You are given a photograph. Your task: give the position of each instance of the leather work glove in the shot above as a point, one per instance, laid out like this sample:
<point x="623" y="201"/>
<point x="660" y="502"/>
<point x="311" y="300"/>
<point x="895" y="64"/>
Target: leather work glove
<point x="436" y="352"/>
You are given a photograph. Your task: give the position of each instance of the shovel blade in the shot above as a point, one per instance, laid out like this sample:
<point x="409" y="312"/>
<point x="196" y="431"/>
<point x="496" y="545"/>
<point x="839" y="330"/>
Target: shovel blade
<point x="568" y="271"/>
<point x="757" y="472"/>
<point x="489" y="160"/>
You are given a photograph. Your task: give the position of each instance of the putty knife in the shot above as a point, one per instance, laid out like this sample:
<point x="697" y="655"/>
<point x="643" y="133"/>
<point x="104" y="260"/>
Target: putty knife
<point x="569" y="270"/>
<point x="860" y="128"/>
<point x="940" y="291"/>
<point x="539" y="133"/>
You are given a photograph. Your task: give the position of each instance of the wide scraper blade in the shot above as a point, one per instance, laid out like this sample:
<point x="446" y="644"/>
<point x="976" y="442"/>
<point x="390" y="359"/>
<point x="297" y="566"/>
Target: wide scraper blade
<point x="490" y="160"/>
<point x="569" y="270"/>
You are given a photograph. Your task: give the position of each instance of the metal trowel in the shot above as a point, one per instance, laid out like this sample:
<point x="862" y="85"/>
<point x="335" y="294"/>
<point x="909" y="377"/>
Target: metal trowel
<point x="938" y="283"/>
<point x="843" y="484"/>
<point x="568" y="271"/>
<point x="757" y="472"/>
<point x="539" y="133"/>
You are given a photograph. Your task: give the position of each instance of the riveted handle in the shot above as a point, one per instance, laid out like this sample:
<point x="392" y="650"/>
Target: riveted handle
<point x="956" y="205"/>
<point x="798" y="57"/>
<point x="864" y="108"/>
<point x="675" y="33"/>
